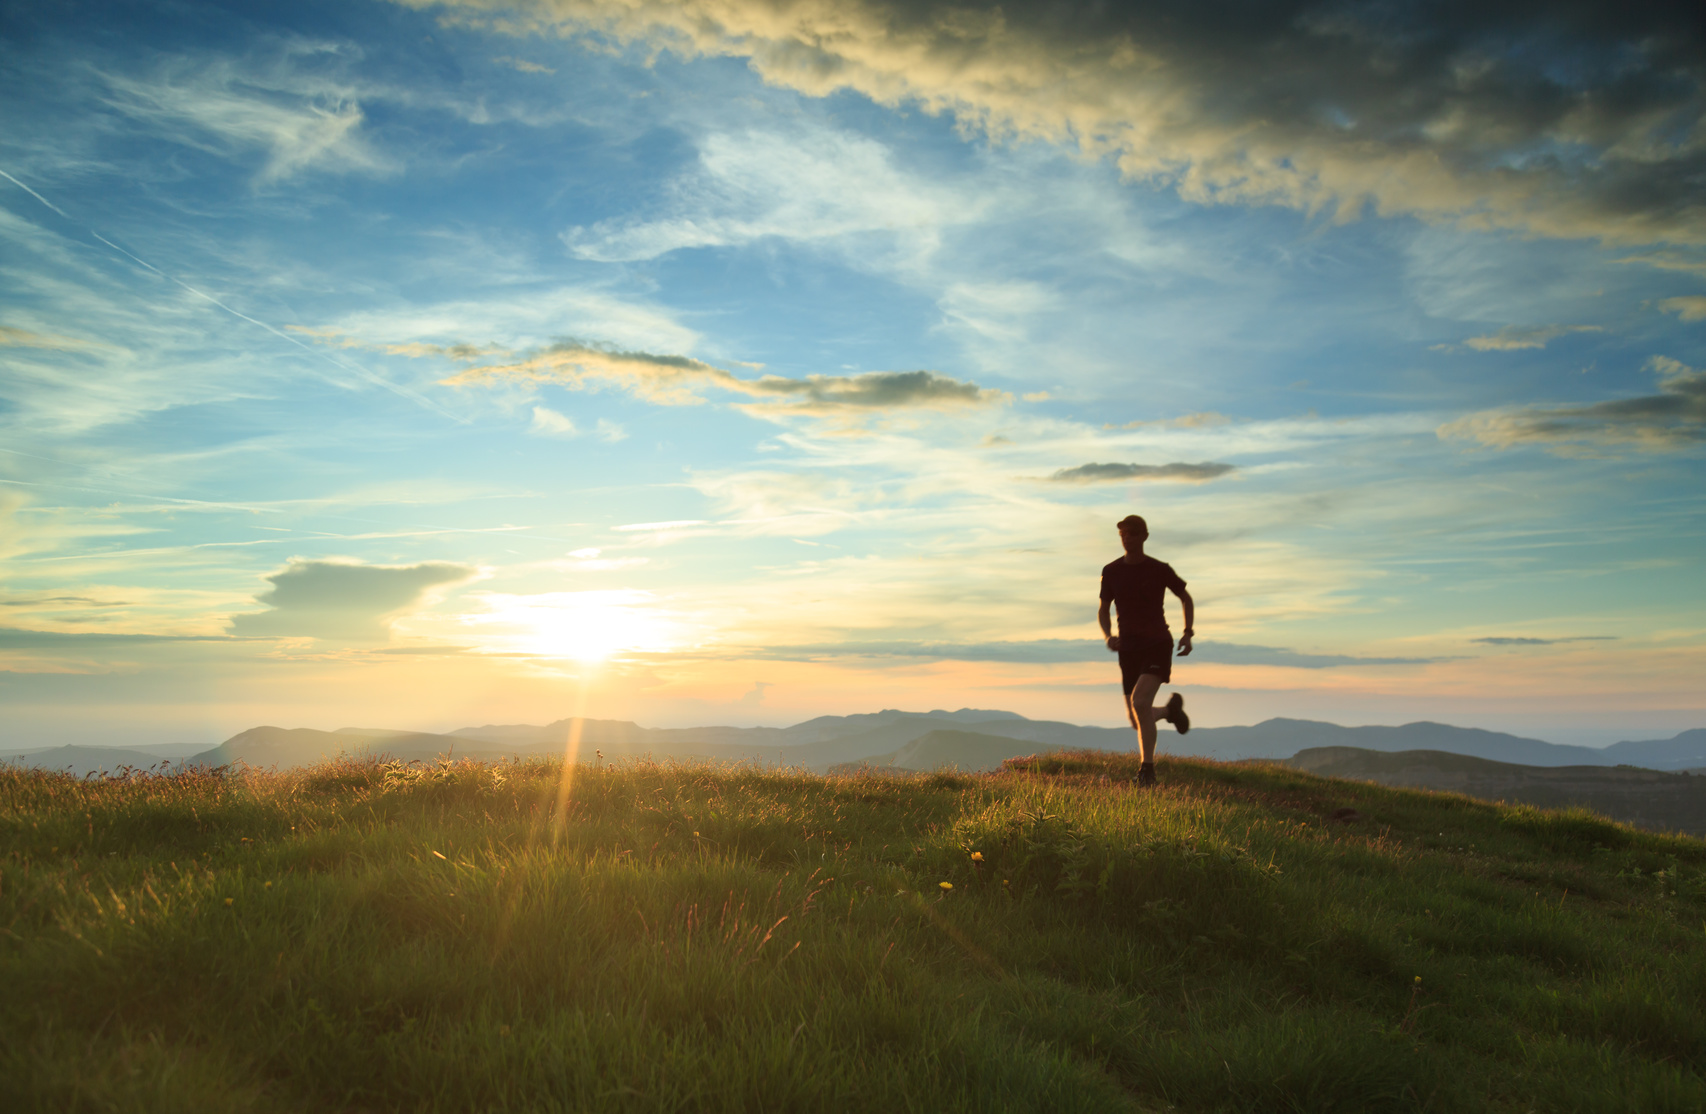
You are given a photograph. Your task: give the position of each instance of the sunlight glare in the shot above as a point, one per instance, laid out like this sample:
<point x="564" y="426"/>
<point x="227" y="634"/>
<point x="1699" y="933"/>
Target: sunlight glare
<point x="584" y="626"/>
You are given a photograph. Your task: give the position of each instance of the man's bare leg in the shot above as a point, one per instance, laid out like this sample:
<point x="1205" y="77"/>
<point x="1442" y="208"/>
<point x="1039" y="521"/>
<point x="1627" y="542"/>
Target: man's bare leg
<point x="1141" y="711"/>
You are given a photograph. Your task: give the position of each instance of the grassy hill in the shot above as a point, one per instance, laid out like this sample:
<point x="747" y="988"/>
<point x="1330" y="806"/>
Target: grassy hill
<point x="643" y="937"/>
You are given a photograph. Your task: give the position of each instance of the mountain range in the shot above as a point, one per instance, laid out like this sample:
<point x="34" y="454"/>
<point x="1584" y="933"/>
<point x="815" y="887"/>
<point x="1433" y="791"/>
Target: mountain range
<point x="1651" y="799"/>
<point x="970" y="739"/>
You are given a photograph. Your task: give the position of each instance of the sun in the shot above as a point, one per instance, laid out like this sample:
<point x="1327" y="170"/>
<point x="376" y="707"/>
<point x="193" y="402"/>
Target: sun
<point x="587" y="627"/>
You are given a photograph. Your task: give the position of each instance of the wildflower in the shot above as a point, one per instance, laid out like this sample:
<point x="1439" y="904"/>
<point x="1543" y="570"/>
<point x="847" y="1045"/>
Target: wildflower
<point x="695" y="835"/>
<point x="228" y="901"/>
<point x="1418" y="980"/>
<point x="977" y="856"/>
<point x="268" y="886"/>
<point x="1004" y="882"/>
<point x="946" y="885"/>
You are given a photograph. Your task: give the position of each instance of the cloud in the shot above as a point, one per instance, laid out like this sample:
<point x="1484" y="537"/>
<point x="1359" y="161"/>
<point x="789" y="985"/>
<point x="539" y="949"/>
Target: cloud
<point x="1581" y="122"/>
<point x="549" y="423"/>
<point x="1511" y="337"/>
<point x="1671" y="419"/>
<point x="344" y="600"/>
<point x="18" y="638"/>
<point x="680" y="380"/>
<point x="23" y="338"/>
<point x="1669" y="260"/>
<point x="1231" y="653"/>
<point x="1048" y="651"/>
<point x="1690" y="307"/>
<point x="522" y="65"/>
<point x="1113" y="473"/>
<point x="810" y="185"/>
<point x="1201" y="420"/>
<point x="1512" y="641"/>
<point x="301" y="120"/>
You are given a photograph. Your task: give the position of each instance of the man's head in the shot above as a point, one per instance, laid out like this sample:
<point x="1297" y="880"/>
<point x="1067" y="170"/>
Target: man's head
<point x="1133" y="533"/>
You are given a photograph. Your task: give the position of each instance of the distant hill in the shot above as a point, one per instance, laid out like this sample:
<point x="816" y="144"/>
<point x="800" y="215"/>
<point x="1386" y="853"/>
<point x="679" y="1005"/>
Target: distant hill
<point x="268" y="747"/>
<point x="87" y="760"/>
<point x="1652" y="799"/>
<point x="966" y="751"/>
<point x="828" y="741"/>
<point x="1681" y="752"/>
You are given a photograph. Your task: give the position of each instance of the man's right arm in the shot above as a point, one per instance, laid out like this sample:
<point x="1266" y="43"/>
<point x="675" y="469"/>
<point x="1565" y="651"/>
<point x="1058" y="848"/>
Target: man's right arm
<point x="1104" y="617"/>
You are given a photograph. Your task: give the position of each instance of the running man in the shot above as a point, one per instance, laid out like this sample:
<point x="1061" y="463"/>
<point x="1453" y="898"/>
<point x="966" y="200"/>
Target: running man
<point x="1137" y="585"/>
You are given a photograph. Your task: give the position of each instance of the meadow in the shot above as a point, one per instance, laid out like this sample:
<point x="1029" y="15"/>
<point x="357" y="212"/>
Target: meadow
<point x="644" y="937"/>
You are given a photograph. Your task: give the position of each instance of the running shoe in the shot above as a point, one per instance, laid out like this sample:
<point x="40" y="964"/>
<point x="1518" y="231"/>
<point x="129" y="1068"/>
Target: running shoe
<point x="1176" y="714"/>
<point x="1146" y="775"/>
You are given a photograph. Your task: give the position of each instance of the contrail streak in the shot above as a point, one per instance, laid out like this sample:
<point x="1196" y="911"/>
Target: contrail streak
<point x="35" y="195"/>
<point x="357" y="369"/>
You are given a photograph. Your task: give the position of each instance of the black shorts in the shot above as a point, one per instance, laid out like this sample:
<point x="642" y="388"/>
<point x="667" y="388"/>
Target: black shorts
<point x="1145" y="653"/>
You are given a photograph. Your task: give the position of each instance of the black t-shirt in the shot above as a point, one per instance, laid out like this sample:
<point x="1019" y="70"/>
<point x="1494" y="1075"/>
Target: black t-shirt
<point x="1138" y="592"/>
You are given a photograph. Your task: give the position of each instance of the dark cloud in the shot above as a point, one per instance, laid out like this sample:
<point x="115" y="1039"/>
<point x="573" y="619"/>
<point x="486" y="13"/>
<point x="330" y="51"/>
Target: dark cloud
<point x="1673" y="418"/>
<point x="679" y="380"/>
<point x="1496" y="641"/>
<point x="80" y="601"/>
<point x="18" y="638"/>
<point x="1577" y="118"/>
<point x="872" y="389"/>
<point x="1109" y="473"/>
<point x="343" y="600"/>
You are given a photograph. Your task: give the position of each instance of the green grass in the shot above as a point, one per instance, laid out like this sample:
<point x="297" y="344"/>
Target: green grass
<point x="363" y="937"/>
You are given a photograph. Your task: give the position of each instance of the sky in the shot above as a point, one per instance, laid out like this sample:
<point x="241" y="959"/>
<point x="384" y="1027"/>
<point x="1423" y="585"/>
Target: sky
<point x="432" y="364"/>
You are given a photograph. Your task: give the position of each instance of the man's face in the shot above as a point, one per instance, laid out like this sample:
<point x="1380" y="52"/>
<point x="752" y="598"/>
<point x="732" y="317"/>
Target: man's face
<point x="1133" y="537"/>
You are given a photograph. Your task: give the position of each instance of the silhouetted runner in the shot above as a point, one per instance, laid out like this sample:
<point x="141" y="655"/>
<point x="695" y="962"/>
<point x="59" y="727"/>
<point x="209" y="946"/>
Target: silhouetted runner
<point x="1137" y="585"/>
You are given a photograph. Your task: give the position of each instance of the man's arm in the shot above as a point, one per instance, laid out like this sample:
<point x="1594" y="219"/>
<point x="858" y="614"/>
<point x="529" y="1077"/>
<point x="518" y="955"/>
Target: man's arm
<point x="1190" y="619"/>
<point x="1103" y="617"/>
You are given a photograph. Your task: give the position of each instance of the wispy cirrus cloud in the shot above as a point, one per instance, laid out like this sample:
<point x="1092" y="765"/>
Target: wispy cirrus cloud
<point x="1673" y="418"/>
<point x="1452" y="116"/>
<point x="813" y="185"/>
<point x="1067" y="650"/>
<point x="297" y="119"/>
<point x="24" y="338"/>
<point x="1178" y="472"/>
<point x="1511" y="640"/>
<point x="522" y="65"/>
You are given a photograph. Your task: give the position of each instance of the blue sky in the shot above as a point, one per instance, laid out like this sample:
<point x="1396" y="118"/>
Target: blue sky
<point x="432" y="364"/>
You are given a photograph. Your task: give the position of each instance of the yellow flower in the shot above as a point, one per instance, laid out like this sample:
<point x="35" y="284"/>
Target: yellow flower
<point x="1004" y="882"/>
<point x="946" y="885"/>
<point x="228" y="901"/>
<point x="977" y="856"/>
<point x="1418" y="978"/>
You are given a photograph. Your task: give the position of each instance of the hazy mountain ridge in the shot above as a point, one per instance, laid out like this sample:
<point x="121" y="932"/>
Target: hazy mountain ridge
<point x="879" y="738"/>
<point x="1652" y="799"/>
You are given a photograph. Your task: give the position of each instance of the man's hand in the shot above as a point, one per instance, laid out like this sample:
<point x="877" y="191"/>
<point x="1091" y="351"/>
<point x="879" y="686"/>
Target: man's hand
<point x="1185" y="644"/>
<point x="1114" y="643"/>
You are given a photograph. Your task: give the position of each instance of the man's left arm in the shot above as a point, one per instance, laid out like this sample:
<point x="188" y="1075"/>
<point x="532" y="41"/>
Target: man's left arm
<point x="1190" y="619"/>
